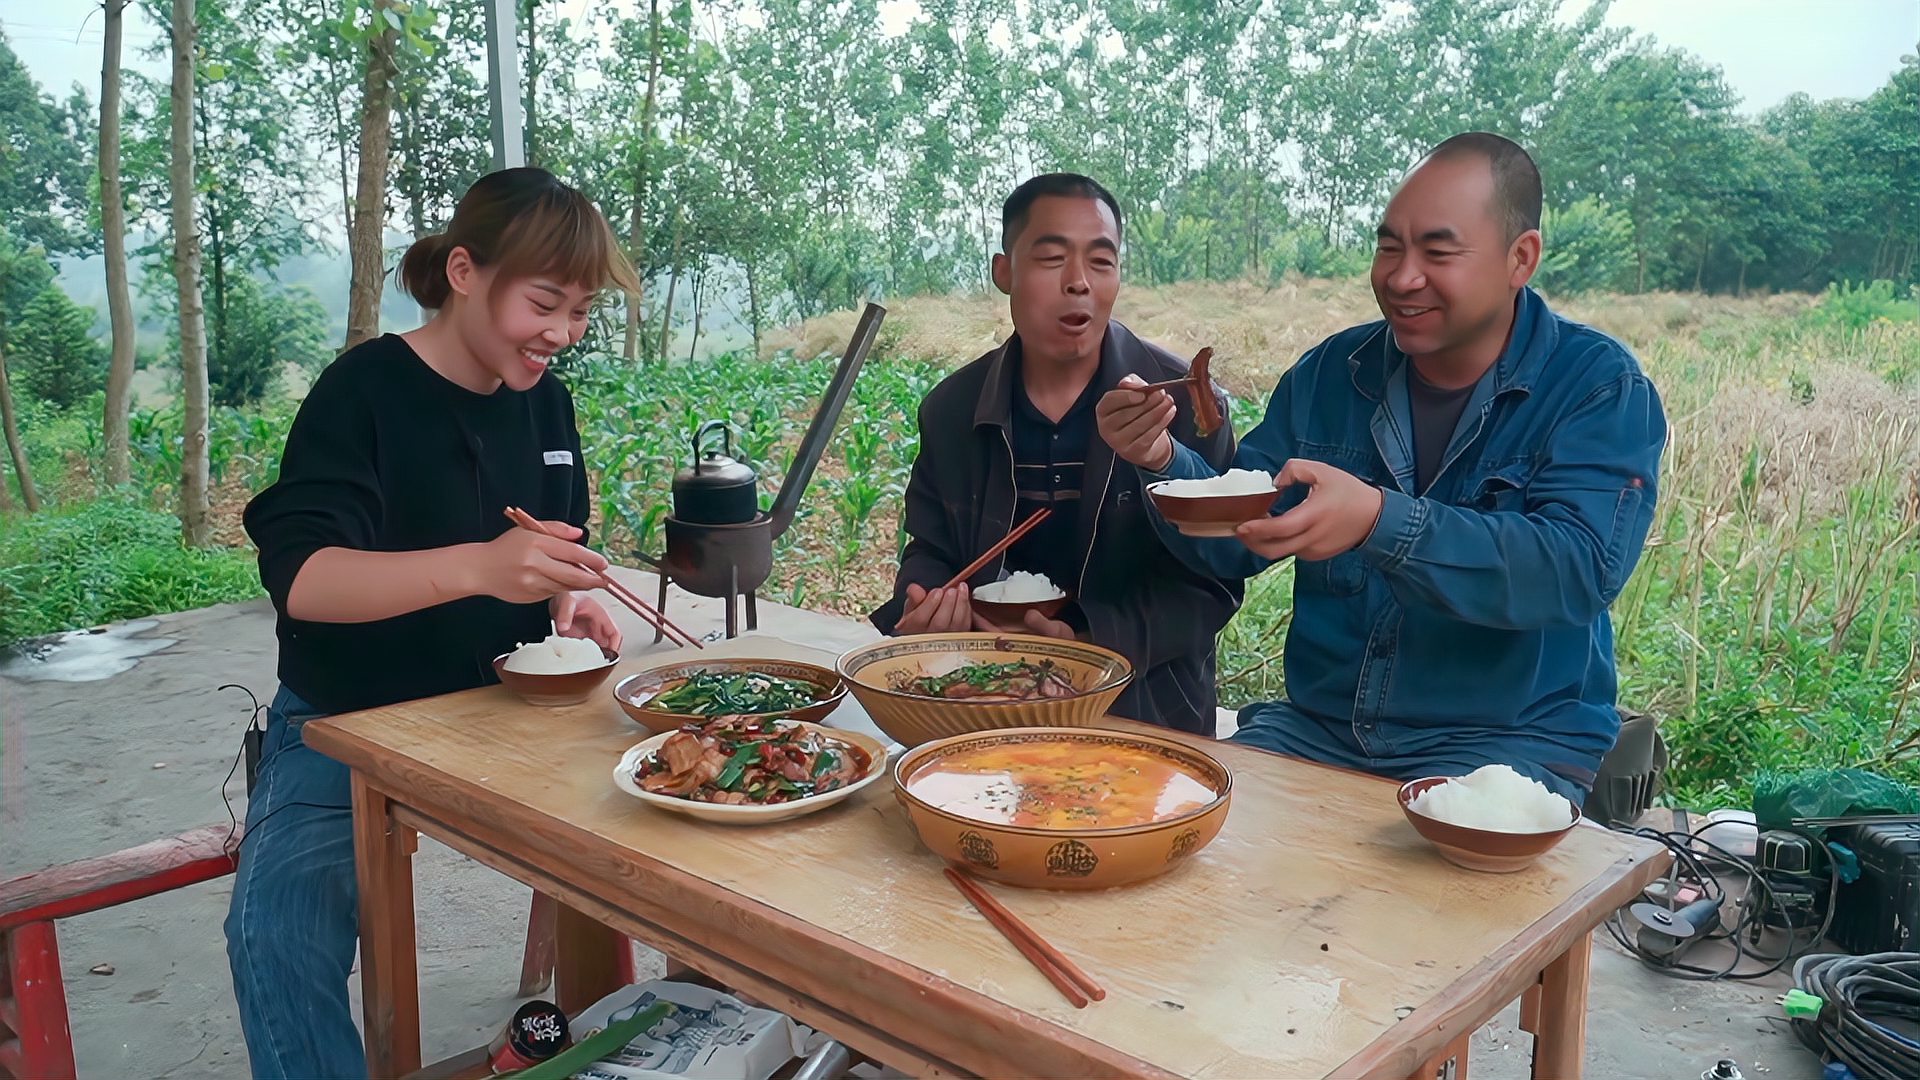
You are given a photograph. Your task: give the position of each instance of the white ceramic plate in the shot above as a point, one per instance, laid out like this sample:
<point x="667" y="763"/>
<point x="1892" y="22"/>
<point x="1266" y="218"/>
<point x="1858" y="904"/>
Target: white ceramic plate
<point x="727" y="814"/>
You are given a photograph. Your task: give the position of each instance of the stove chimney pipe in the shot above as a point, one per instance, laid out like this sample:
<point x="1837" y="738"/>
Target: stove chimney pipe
<point x="814" y="442"/>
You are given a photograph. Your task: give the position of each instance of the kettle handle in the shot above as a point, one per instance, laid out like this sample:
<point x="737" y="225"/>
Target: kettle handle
<point x="700" y="436"/>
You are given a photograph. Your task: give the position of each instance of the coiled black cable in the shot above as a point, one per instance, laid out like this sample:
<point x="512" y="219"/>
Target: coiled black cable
<point x="1857" y="990"/>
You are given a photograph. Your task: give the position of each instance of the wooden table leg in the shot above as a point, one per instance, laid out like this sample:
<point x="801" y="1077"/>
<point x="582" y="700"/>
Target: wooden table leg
<point x="389" y="958"/>
<point x="587" y="967"/>
<point x="536" y="961"/>
<point x="1560" y="1014"/>
<point x="1448" y="1064"/>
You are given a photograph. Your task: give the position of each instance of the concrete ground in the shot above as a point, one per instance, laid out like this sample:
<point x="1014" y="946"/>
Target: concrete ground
<point x="109" y="740"/>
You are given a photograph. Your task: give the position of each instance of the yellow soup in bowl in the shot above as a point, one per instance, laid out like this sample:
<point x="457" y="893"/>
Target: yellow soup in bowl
<point x="1060" y="785"/>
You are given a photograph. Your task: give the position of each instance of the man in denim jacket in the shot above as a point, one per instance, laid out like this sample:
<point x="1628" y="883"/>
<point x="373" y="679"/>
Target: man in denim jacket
<point x="1466" y="486"/>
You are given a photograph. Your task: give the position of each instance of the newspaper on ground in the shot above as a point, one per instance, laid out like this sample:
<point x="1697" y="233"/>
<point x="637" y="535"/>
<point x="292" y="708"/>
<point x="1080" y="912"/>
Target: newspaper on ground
<point x="710" y="1035"/>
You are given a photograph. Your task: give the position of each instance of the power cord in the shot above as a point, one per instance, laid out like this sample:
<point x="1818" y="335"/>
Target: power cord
<point x="1851" y="991"/>
<point x="245" y="744"/>
<point x="252" y="715"/>
<point x="1698" y="862"/>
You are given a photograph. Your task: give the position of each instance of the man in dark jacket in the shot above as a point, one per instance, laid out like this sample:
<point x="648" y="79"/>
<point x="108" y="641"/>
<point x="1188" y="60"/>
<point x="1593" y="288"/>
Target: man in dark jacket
<point x="1015" y="431"/>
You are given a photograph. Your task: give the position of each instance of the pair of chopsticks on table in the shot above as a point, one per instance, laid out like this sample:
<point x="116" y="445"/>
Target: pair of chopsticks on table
<point x="1066" y="976"/>
<point x="653" y="617"/>
<point x="1000" y="548"/>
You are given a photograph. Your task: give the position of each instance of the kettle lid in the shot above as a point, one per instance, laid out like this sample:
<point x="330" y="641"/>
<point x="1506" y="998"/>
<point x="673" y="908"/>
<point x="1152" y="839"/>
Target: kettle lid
<point x="713" y="468"/>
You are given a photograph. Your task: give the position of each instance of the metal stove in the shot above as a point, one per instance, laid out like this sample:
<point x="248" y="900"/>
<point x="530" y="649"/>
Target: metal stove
<point x="718" y="542"/>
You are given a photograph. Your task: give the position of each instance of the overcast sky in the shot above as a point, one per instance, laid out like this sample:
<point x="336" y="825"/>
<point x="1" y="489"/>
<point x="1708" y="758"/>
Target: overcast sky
<point x="1769" y="48"/>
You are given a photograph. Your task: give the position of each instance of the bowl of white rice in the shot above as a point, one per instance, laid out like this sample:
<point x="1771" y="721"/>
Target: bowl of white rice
<point x="554" y="672"/>
<point x="1493" y="819"/>
<point x="1217" y="505"/>
<point x="1005" y="603"/>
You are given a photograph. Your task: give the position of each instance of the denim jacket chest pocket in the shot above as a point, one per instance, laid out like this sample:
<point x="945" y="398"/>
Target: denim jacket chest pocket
<point x="1500" y="488"/>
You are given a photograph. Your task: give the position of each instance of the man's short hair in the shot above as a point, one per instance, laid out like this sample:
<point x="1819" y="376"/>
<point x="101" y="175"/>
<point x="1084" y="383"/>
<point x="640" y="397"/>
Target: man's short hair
<point x="1516" y="179"/>
<point x="1013" y="214"/>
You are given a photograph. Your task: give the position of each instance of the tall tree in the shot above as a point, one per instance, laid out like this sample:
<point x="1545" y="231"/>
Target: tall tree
<point x="113" y="228"/>
<point x="642" y="183"/>
<point x="442" y="143"/>
<point x="44" y="172"/>
<point x="395" y="28"/>
<point x="1350" y="144"/>
<point x="194" y="518"/>
<point x="43" y="189"/>
<point x="256" y="201"/>
<point x="318" y="66"/>
<point x="24" y="274"/>
<point x="367" y="243"/>
<point x="1646" y="132"/>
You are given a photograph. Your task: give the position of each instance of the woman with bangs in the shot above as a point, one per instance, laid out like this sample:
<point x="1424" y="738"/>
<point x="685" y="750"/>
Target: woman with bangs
<point x="395" y="574"/>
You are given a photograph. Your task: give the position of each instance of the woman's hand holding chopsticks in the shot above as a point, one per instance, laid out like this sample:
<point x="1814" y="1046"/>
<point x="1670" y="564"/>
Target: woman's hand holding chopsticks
<point x="522" y="566"/>
<point x="551" y="530"/>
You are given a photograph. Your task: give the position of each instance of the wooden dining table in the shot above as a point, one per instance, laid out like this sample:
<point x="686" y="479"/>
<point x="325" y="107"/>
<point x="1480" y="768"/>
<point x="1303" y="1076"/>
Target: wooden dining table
<point x="1318" y="935"/>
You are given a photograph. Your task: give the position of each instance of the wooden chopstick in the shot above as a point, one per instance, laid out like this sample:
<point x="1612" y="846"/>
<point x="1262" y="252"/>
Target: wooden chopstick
<point x="1168" y="385"/>
<point x="654" y="618"/>
<point x="646" y="611"/>
<point x="619" y="592"/>
<point x="1076" y="985"/>
<point x="995" y="551"/>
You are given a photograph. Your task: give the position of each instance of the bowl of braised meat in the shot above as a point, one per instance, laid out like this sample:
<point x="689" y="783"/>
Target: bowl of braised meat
<point x="744" y="770"/>
<point x="932" y="686"/>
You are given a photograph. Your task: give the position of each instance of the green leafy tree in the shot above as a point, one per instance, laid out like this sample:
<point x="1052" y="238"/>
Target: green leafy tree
<point x="270" y="330"/>
<point x="442" y="141"/>
<point x="24" y="274"/>
<point x="53" y="354"/>
<point x="1586" y="247"/>
<point x="45" y="174"/>
<point x="254" y="205"/>
<point x="1648" y="133"/>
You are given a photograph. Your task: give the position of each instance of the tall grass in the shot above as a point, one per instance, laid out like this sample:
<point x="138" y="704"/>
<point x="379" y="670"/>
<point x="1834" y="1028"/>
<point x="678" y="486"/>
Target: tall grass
<point x="87" y="563"/>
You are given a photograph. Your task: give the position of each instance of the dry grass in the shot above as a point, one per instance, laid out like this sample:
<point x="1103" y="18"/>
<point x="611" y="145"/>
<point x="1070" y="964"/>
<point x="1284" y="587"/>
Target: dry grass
<point x="1256" y="330"/>
<point x="1720" y="404"/>
<point x="1252" y="328"/>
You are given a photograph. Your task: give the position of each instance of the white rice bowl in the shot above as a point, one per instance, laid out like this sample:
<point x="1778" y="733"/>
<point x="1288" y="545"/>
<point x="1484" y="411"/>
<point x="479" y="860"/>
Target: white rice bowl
<point x="555" y="656"/>
<point x="1019" y="588"/>
<point x="1497" y="799"/>
<point x="1231" y="482"/>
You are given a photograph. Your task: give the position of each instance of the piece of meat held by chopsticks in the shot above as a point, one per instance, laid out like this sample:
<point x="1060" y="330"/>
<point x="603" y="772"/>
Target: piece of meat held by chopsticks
<point x="1206" y="411"/>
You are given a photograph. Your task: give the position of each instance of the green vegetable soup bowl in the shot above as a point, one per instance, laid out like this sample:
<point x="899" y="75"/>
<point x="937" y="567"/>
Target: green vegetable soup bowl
<point x="671" y="696"/>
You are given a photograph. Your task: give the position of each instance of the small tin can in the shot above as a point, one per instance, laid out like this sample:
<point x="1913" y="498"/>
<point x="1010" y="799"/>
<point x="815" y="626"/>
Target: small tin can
<point x="537" y="1032"/>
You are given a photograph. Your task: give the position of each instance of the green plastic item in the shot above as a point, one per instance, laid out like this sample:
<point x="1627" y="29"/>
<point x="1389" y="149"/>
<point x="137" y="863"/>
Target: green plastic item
<point x="1800" y="1005"/>
<point x="596" y="1046"/>
<point x="1779" y="797"/>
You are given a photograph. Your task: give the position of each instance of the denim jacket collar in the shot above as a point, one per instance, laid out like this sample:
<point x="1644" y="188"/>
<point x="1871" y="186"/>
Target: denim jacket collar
<point x="1535" y="336"/>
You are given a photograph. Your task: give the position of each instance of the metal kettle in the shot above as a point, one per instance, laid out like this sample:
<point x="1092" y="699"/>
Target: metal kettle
<point x="716" y="489"/>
